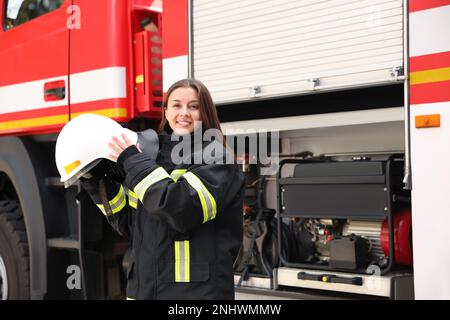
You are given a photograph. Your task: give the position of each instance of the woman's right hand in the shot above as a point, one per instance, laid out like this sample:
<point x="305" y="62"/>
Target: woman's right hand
<point x="118" y="145"/>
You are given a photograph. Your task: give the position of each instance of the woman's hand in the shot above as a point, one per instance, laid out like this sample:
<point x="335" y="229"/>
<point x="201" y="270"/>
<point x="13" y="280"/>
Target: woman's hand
<point x="117" y="145"/>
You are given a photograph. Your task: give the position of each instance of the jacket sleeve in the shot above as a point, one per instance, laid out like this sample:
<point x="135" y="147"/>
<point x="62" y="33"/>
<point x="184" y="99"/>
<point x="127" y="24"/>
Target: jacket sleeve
<point x="184" y="199"/>
<point x="121" y="207"/>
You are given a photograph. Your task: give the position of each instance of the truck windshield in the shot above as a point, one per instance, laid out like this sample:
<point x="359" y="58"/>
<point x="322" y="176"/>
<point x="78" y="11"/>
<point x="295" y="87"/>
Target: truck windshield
<point x="21" y="11"/>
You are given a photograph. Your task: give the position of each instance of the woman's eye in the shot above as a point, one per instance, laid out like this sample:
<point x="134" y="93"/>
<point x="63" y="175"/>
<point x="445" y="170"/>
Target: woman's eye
<point x="194" y="107"/>
<point x="175" y="106"/>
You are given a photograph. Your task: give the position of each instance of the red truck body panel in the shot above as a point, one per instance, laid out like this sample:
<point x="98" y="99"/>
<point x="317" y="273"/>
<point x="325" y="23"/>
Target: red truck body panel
<point x="84" y="48"/>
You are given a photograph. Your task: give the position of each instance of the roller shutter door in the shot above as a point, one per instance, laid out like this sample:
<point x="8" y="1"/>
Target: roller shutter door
<point x="243" y="48"/>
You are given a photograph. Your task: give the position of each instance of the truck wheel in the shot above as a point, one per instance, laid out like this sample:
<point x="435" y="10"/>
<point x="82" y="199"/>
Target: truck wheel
<point x="14" y="257"/>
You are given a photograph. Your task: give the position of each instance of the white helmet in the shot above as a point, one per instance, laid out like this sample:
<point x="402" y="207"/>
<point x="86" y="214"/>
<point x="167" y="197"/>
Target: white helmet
<point x="83" y="143"/>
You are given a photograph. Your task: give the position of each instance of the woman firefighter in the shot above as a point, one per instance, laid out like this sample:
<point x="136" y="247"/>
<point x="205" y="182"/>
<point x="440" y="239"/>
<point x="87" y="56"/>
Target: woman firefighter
<point x="184" y="218"/>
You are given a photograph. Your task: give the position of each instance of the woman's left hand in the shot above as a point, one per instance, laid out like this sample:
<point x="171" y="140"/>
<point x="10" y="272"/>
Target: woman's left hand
<point x="117" y="145"/>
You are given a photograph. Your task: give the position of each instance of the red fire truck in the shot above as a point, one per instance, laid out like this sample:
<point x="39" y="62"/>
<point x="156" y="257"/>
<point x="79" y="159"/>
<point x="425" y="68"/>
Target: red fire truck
<point x="61" y="59"/>
<point x="358" y="91"/>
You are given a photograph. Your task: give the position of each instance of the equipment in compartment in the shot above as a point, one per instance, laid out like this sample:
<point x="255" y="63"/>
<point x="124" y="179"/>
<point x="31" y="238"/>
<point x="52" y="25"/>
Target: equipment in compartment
<point x="402" y="237"/>
<point x="255" y="255"/>
<point x="322" y="241"/>
<point x="370" y="230"/>
<point x="349" y="252"/>
<point x="259" y="254"/>
<point x="347" y="215"/>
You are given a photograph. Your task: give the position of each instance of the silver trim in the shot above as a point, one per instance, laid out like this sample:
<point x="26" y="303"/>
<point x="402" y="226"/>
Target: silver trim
<point x="4" y="281"/>
<point x="407" y="180"/>
<point x="255" y="282"/>
<point x="182" y="261"/>
<point x="306" y="122"/>
<point x="374" y="285"/>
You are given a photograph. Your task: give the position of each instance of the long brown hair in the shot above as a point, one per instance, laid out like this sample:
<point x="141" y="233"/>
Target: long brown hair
<point x="208" y="112"/>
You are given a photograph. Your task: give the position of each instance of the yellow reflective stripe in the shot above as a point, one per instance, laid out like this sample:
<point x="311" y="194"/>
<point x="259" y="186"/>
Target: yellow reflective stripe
<point x="211" y="198"/>
<point x="114" y="209"/>
<point x="119" y="196"/>
<point x="117" y="203"/>
<point x="182" y="261"/>
<point x="132" y="204"/>
<point x="128" y="298"/>
<point x="177" y="173"/>
<point x="154" y="177"/>
<point x="201" y="196"/>
<point x="132" y="199"/>
<point x="132" y="194"/>
<point x="187" y="263"/>
<point x="207" y="201"/>
<point x="177" y="261"/>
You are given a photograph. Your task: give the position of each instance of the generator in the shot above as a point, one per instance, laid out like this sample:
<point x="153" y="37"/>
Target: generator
<point x="352" y="225"/>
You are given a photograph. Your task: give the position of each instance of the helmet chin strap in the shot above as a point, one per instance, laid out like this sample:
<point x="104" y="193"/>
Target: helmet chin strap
<point x="104" y="198"/>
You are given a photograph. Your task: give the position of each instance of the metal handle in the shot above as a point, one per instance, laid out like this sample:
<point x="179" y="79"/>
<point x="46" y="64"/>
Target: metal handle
<point x="330" y="278"/>
<point x="55" y="90"/>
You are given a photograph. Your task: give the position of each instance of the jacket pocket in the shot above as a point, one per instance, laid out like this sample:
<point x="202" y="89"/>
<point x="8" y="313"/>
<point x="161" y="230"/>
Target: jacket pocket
<point x="177" y="236"/>
<point x="196" y="272"/>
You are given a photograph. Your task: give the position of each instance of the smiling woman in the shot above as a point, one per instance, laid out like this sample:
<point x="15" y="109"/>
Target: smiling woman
<point x="188" y="101"/>
<point x="186" y="217"/>
<point x="182" y="112"/>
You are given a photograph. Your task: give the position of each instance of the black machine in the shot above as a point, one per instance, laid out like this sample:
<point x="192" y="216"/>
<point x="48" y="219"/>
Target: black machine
<point x="337" y="222"/>
<point x="345" y="215"/>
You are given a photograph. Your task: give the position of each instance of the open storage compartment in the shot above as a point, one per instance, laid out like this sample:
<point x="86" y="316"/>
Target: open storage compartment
<point x="345" y="215"/>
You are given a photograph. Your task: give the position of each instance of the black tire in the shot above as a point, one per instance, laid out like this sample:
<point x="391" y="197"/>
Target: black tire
<point x="14" y="254"/>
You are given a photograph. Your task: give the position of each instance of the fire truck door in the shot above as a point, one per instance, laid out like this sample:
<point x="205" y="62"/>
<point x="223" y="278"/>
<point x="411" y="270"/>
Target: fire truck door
<point x="34" y="62"/>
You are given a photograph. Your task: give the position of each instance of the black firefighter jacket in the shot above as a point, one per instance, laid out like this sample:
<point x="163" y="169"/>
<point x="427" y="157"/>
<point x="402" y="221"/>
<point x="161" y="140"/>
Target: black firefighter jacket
<point x="185" y="222"/>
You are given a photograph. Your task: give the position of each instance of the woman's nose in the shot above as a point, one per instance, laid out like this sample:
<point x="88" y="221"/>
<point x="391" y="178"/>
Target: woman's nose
<point x="184" y="111"/>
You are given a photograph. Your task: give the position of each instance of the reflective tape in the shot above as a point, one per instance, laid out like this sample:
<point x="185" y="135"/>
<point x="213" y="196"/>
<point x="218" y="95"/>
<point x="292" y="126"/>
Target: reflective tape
<point x="132" y="199"/>
<point x="176" y="174"/>
<point x="156" y="175"/>
<point x="182" y="261"/>
<point x="116" y="204"/>
<point x="72" y="166"/>
<point x="206" y="199"/>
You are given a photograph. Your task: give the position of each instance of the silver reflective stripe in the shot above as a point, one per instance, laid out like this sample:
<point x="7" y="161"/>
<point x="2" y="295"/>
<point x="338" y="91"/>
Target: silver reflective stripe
<point x="116" y="204"/>
<point x="182" y="261"/>
<point x="206" y="199"/>
<point x="156" y="175"/>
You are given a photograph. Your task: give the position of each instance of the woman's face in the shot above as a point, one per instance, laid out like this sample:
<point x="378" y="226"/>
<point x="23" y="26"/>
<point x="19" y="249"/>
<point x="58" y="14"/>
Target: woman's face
<point x="183" y="110"/>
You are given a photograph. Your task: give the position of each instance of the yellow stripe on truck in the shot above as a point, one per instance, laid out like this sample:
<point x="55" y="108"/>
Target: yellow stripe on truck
<point x="60" y="119"/>
<point x="429" y="76"/>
